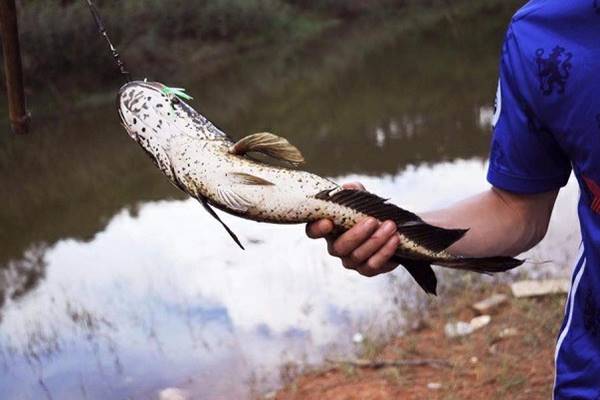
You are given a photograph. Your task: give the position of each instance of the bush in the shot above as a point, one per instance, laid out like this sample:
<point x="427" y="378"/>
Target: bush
<point x="58" y="38"/>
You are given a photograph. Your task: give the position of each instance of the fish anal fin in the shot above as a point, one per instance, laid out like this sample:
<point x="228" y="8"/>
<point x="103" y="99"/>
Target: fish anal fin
<point x="216" y="216"/>
<point x="248" y="179"/>
<point x="486" y="265"/>
<point x="421" y="272"/>
<point x="270" y="145"/>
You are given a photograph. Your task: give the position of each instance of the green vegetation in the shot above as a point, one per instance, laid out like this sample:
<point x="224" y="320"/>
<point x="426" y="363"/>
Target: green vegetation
<point x="60" y="38"/>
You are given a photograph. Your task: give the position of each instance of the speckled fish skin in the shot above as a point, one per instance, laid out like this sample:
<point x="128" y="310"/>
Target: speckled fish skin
<point x="197" y="157"/>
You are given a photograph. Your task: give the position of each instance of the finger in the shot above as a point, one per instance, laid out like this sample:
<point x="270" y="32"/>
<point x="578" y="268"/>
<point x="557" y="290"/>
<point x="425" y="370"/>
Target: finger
<point x="353" y="238"/>
<point x="319" y="229"/>
<point x="368" y="272"/>
<point x="354" y="186"/>
<point x="379" y="261"/>
<point x="349" y="264"/>
<point x="362" y="253"/>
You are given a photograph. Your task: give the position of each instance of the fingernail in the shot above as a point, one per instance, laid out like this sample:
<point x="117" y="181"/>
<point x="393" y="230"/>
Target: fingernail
<point x="388" y="228"/>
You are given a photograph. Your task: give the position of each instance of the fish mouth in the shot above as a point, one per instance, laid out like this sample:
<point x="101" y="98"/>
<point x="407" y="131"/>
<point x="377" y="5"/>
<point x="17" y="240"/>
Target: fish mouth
<point x="126" y="98"/>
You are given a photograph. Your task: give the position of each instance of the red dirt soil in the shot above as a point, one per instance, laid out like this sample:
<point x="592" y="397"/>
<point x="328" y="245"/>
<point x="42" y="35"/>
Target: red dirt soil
<point x="483" y="365"/>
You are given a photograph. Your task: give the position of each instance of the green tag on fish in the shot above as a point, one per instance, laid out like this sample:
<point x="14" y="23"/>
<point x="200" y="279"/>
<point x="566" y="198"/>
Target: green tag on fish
<point x="179" y="92"/>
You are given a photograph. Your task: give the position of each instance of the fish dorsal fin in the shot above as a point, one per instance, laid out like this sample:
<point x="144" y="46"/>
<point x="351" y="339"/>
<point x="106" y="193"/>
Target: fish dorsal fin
<point x="247" y="179"/>
<point x="270" y="145"/>
<point x="410" y="225"/>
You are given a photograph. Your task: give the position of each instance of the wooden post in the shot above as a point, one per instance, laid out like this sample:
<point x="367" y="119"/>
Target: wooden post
<point x="19" y="117"/>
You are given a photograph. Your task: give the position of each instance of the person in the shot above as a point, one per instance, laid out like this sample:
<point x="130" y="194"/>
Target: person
<point x="546" y="123"/>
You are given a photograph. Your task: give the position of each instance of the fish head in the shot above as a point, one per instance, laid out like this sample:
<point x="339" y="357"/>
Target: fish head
<point x="157" y="117"/>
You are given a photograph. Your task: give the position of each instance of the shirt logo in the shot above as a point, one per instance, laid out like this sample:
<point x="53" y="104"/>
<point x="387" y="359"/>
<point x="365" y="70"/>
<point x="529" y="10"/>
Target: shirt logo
<point x="554" y="70"/>
<point x="594" y="189"/>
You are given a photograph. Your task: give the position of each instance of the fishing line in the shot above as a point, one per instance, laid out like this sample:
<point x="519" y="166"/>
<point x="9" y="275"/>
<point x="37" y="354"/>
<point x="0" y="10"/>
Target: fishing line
<point x="103" y="32"/>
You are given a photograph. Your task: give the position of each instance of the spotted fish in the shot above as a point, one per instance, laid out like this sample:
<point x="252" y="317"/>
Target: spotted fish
<point x="205" y="163"/>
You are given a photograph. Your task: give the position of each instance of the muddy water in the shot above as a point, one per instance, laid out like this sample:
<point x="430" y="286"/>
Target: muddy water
<point x="114" y="285"/>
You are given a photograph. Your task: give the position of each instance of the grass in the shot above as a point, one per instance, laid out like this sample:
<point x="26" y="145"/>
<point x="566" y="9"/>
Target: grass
<point x="61" y="39"/>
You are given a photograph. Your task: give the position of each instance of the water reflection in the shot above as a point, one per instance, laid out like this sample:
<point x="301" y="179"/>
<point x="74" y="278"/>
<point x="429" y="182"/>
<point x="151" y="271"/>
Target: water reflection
<point x="162" y="298"/>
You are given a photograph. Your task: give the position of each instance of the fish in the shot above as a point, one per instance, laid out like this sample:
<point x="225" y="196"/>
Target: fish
<point x="208" y="165"/>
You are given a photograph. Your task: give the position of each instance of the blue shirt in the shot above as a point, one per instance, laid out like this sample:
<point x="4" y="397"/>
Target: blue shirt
<point x="547" y="123"/>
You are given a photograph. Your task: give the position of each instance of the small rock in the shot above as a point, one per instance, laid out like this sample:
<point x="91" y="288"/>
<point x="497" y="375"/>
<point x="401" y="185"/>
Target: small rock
<point x="486" y="305"/>
<point x="508" y="332"/>
<point x="457" y="329"/>
<point x="480" y="322"/>
<point x="172" y="394"/>
<point x="539" y="288"/>
<point x="434" y="386"/>
<point x="474" y="360"/>
<point x="358" y="338"/>
<point x="270" y="396"/>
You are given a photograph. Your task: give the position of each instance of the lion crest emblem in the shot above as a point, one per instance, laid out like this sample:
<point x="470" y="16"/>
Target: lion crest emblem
<point x="554" y="70"/>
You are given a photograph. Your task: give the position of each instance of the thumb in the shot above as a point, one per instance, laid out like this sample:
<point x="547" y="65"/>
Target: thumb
<point x="354" y="186"/>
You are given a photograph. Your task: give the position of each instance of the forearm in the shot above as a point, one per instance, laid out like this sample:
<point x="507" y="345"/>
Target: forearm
<point x="499" y="223"/>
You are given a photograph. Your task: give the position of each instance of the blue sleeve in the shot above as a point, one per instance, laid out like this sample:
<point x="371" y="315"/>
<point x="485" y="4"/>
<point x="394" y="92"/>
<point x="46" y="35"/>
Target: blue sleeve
<point x="525" y="156"/>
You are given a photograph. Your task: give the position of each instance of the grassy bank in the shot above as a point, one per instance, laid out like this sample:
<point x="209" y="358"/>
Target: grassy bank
<point x="60" y="39"/>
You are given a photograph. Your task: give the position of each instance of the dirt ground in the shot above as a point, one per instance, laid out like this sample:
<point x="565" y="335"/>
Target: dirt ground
<point x="511" y="358"/>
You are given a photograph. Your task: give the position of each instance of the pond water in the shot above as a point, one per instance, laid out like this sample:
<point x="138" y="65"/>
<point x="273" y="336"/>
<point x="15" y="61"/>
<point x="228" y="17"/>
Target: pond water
<point x="114" y="285"/>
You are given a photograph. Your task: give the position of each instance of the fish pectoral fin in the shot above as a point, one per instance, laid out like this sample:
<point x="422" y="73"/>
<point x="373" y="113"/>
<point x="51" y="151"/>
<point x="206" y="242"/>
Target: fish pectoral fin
<point x="232" y="200"/>
<point x="247" y="179"/>
<point x="409" y="224"/>
<point x="270" y="145"/>
<point x="216" y="216"/>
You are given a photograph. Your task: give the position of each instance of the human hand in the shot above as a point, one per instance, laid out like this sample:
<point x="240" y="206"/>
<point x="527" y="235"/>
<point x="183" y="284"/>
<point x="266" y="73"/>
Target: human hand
<point x="366" y="248"/>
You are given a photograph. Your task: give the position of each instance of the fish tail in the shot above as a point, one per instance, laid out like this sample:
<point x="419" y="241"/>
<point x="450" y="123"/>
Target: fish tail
<point x="486" y="265"/>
